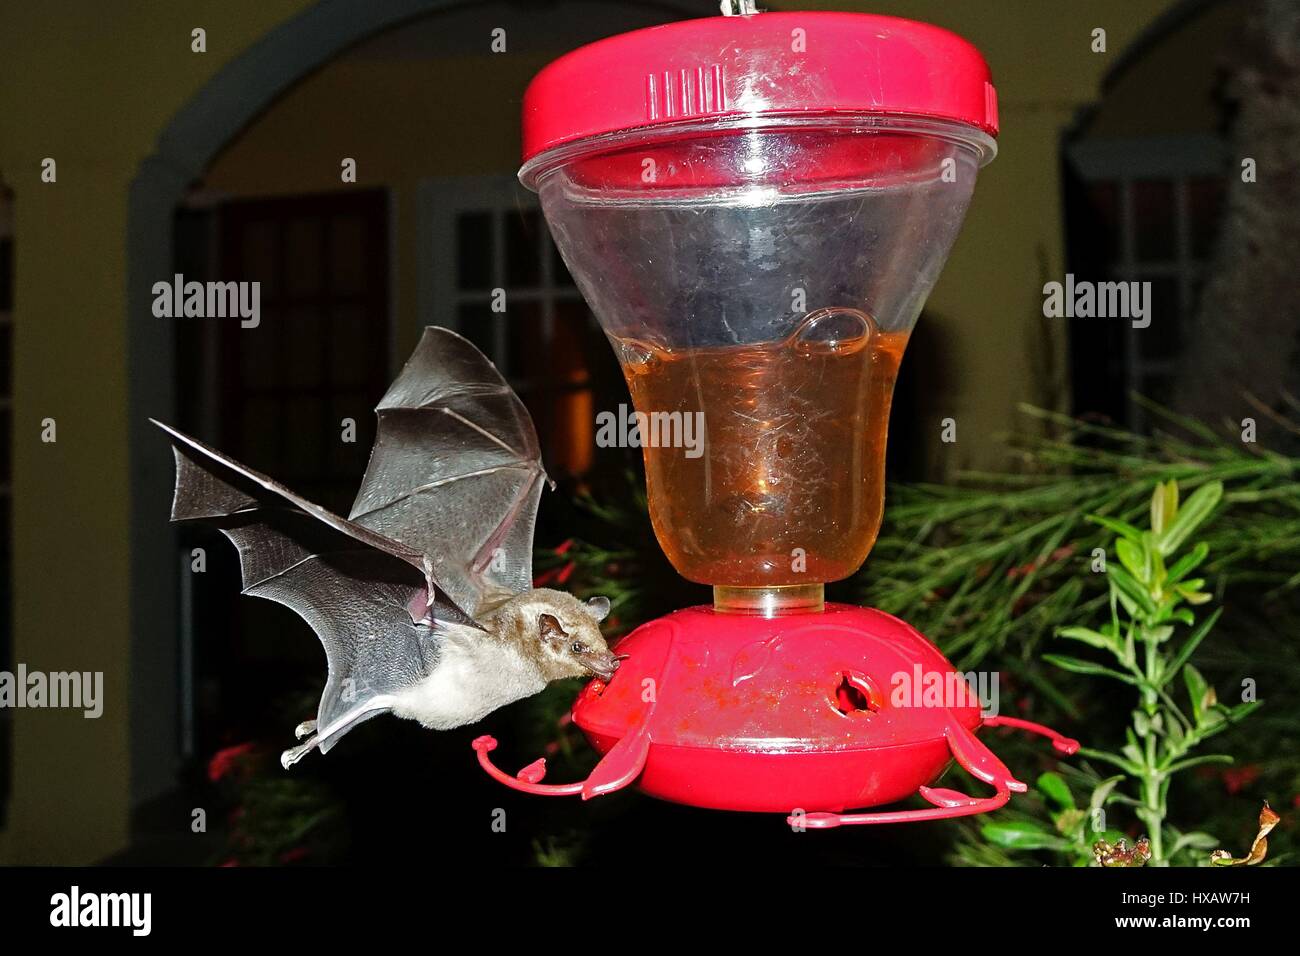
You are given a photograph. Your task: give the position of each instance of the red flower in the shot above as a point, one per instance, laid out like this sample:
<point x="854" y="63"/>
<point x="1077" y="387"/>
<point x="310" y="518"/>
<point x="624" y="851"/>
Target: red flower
<point x="565" y="573"/>
<point x="1236" y="779"/>
<point x="226" y="760"/>
<point x="564" y="547"/>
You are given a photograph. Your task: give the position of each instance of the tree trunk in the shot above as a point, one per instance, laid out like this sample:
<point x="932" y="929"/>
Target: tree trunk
<point x="1243" y="356"/>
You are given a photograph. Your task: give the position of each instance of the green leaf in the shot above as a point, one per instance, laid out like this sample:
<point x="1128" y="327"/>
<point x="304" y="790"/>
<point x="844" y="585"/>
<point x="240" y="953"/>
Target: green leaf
<point x="1197" y="761"/>
<point x="1101" y="793"/>
<point x="1188" y="563"/>
<point x="1134" y="558"/>
<point x="1164" y="505"/>
<point x="1088" y="636"/>
<point x="1077" y="666"/>
<point x="1190" y="516"/>
<point x="1132" y="768"/>
<point x="1195" y="841"/>
<point x="1241" y="710"/>
<point x="1021" y="836"/>
<point x="1159" y="635"/>
<point x="1189" y="646"/>
<point x="1191" y="595"/>
<point x="1126" y="586"/>
<point x="1054" y="788"/>
<point x="1196" y="690"/>
<point x="1121" y="528"/>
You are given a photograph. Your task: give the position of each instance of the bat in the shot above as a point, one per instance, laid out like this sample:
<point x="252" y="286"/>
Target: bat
<point x="422" y="597"/>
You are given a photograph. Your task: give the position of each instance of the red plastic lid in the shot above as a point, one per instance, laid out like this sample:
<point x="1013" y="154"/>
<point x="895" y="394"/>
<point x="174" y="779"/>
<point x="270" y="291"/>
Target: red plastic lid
<point x="764" y="64"/>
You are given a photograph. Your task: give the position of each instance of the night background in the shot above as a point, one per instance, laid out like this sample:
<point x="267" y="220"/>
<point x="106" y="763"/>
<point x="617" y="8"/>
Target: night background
<point x="1168" y="157"/>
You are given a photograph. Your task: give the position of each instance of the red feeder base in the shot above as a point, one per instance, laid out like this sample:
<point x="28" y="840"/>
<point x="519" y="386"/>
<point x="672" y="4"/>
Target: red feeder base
<point x="802" y="714"/>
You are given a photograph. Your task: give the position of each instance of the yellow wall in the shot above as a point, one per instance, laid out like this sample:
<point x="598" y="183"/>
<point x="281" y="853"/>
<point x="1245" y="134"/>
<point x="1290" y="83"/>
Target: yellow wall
<point x="92" y="85"/>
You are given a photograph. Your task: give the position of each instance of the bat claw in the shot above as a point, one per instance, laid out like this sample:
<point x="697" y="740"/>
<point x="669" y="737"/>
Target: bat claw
<point x="306" y="728"/>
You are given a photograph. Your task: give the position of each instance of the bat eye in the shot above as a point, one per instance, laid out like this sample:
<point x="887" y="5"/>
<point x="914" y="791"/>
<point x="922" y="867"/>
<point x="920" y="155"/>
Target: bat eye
<point x="578" y="648"/>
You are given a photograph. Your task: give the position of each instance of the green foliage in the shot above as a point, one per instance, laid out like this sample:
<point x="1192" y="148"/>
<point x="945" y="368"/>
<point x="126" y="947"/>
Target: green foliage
<point x="1149" y="638"/>
<point x="997" y="561"/>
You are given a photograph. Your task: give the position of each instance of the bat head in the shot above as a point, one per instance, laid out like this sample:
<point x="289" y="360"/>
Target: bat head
<point x="561" y="634"/>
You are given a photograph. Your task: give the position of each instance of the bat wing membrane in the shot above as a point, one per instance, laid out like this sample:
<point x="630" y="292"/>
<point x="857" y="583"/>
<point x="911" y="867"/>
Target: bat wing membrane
<point x="456" y="473"/>
<point x="361" y="593"/>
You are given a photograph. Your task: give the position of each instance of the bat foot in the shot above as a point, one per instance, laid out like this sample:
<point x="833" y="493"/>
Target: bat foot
<point x="305" y="728"/>
<point x="294" y="754"/>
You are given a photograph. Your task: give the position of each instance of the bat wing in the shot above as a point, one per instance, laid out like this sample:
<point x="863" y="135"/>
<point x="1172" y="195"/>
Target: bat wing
<point x="365" y="596"/>
<point x="456" y="473"/>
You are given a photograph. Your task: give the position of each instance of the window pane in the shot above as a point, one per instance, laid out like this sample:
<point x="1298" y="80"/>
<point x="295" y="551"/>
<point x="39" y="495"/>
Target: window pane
<point x="304" y="268"/>
<point x="353" y="344"/>
<point x="529" y="355"/>
<point x="474" y="251"/>
<point x="524" y="238"/>
<point x="348" y="459"/>
<point x="304" y="444"/>
<point x="1163" y="337"/>
<point x="258" y="351"/>
<point x="260" y="426"/>
<point x="304" y="347"/>
<point x="478" y="324"/>
<point x="1155" y="229"/>
<point x="560" y="276"/>
<point x="572" y="344"/>
<point x="348" y="262"/>
<point x="259" y="256"/>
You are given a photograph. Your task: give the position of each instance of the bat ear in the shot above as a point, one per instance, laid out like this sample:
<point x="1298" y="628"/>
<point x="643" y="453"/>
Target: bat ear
<point x="548" y="627"/>
<point x="598" y="607"/>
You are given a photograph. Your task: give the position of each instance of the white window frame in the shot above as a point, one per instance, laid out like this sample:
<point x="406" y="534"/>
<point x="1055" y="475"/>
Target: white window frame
<point x="441" y="202"/>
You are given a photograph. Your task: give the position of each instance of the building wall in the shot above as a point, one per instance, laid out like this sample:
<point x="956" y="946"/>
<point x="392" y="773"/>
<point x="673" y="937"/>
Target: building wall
<point x="93" y="84"/>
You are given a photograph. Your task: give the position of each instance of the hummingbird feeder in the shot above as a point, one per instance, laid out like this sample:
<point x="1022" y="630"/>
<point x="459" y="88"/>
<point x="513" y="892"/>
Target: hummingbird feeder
<point x="756" y="208"/>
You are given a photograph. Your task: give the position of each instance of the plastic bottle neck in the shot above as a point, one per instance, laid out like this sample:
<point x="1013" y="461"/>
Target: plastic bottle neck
<point x="769" y="602"/>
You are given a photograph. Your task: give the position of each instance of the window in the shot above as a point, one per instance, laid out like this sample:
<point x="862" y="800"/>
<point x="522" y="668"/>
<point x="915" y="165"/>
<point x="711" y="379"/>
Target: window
<point x="490" y="270"/>
<point x="275" y="397"/>
<point x="320" y="353"/>
<point x="1145" y="211"/>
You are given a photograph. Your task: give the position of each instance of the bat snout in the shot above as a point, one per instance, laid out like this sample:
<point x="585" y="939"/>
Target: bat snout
<point x="604" y="666"/>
